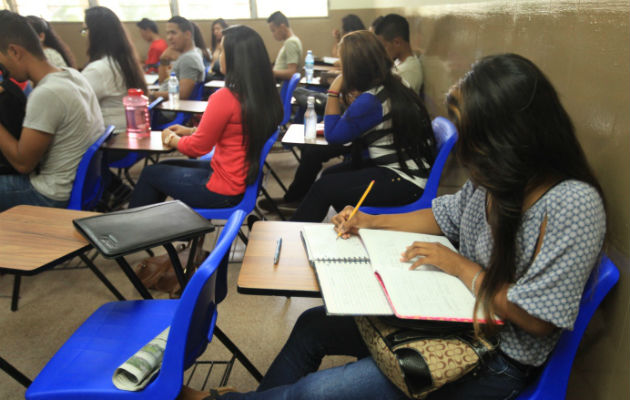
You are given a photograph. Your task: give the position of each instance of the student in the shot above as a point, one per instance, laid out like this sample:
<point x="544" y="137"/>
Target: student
<point x="201" y="47"/>
<point x="530" y="225"/>
<point x="376" y="21"/>
<point x="290" y="57"/>
<point x="149" y="32"/>
<point x="186" y="61"/>
<point x="55" y="50"/>
<point x="237" y="122"/>
<point x="62" y="120"/>
<point x="114" y="67"/>
<point x="349" y="23"/>
<point x="393" y="31"/>
<point x="384" y="119"/>
<point x="218" y="25"/>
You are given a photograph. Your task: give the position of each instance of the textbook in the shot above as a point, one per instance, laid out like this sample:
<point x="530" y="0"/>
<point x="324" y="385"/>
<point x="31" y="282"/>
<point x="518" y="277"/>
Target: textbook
<point x="363" y="275"/>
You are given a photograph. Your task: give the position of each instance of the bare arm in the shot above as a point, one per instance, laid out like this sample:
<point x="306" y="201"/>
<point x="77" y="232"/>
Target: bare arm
<point x="285" y="74"/>
<point x="25" y="154"/>
<point x="186" y="87"/>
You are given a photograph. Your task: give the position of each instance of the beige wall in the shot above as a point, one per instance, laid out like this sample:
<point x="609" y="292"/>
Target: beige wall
<point x="583" y="47"/>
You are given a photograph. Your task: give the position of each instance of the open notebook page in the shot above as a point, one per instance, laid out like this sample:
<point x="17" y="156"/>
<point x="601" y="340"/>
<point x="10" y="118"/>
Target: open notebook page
<point x="351" y="289"/>
<point x="322" y="244"/>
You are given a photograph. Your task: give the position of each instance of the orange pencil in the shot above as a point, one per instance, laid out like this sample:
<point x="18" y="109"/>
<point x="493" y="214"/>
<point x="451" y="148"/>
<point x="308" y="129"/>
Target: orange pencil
<point x="356" y="208"/>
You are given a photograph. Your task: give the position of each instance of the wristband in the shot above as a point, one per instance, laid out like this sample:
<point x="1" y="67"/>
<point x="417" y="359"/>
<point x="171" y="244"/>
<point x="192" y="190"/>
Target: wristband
<point x="332" y="93"/>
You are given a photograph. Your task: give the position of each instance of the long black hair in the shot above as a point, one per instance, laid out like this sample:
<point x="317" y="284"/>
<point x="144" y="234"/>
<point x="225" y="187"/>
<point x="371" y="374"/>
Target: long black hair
<point x="248" y="75"/>
<point x="514" y="136"/>
<point x="365" y="65"/>
<point x="214" y="41"/>
<point x="200" y="43"/>
<point x="51" y="39"/>
<point x="108" y="38"/>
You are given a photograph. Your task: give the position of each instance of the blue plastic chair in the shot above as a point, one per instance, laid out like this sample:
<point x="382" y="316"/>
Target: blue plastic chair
<point x="183" y="117"/>
<point x="83" y="367"/>
<point x="286" y="93"/>
<point x="553" y="380"/>
<point x="445" y="138"/>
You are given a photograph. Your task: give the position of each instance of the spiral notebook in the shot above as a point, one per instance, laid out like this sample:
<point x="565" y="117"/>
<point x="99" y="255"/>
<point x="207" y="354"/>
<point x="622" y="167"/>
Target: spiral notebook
<point x="363" y="275"/>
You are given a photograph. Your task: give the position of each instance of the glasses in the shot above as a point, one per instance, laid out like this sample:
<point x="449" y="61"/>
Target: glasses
<point x="84" y="32"/>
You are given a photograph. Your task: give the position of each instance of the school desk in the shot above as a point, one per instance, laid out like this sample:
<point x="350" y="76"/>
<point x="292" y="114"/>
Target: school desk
<point x="189" y="106"/>
<point x="148" y="144"/>
<point x="294" y="136"/>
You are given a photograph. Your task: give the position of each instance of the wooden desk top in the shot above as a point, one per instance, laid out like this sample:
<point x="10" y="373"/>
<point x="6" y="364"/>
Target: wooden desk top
<point x="295" y="136"/>
<point x="217" y="84"/>
<point x="191" y="106"/>
<point x="151" y="144"/>
<point x="293" y="276"/>
<point x="32" y="237"/>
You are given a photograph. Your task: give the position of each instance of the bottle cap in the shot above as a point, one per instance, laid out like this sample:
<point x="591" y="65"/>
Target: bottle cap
<point x="135" y="92"/>
<point x="172" y="73"/>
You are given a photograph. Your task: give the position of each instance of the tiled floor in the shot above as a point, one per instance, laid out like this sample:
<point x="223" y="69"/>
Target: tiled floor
<point x="53" y="304"/>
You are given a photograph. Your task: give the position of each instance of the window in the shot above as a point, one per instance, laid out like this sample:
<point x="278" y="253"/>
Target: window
<point x="292" y="8"/>
<point x="135" y="10"/>
<point x="204" y="9"/>
<point x="53" y="10"/>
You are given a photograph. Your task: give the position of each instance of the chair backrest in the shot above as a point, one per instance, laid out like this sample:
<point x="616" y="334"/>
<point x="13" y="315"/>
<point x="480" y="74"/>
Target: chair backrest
<point x="445" y="138"/>
<point x="286" y="92"/>
<point x="248" y="202"/>
<point x="88" y="182"/>
<point x="193" y="323"/>
<point x="197" y="92"/>
<point x="553" y="380"/>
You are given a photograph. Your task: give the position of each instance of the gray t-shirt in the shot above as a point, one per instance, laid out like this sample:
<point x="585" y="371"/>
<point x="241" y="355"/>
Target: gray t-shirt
<point x="64" y="105"/>
<point x="187" y="66"/>
<point x="550" y="285"/>
<point x="290" y="53"/>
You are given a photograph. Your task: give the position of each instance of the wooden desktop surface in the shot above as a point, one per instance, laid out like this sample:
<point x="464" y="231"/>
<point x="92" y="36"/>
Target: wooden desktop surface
<point x="295" y="136"/>
<point x="37" y="237"/>
<point x="293" y="276"/>
<point x="152" y="144"/>
<point x="191" y="106"/>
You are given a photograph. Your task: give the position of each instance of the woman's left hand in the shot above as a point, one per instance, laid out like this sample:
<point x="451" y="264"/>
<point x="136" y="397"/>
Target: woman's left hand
<point x="165" y="134"/>
<point x="435" y="254"/>
<point x="335" y="86"/>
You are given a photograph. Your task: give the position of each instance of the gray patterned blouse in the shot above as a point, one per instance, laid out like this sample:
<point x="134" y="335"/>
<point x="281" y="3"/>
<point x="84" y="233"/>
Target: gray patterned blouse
<point x="550" y="286"/>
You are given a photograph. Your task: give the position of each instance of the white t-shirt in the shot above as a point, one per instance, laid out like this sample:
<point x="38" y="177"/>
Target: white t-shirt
<point x="410" y="71"/>
<point x="54" y="57"/>
<point x="64" y="105"/>
<point x="106" y="79"/>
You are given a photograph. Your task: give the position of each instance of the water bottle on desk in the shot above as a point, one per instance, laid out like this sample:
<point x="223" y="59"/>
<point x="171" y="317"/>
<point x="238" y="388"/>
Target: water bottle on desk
<point x="309" y="63"/>
<point x="310" y="121"/>
<point x="173" y="90"/>
<point x="137" y="113"/>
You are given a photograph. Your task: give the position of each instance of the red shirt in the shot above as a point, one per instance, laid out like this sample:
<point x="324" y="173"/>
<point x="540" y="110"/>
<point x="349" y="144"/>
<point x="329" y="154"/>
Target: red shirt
<point x="155" y="51"/>
<point x="221" y="128"/>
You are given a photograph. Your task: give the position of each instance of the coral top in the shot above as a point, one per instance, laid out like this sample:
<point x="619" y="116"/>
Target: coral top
<point x="156" y="49"/>
<point x="221" y="128"/>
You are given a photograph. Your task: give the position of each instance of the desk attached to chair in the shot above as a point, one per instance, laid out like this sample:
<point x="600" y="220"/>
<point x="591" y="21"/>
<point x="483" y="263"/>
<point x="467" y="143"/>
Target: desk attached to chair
<point x="189" y="106"/>
<point x="148" y="144"/>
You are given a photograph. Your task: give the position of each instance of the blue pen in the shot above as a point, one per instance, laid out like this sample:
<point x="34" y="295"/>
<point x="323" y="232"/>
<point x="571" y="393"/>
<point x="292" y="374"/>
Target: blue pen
<point x="276" y="256"/>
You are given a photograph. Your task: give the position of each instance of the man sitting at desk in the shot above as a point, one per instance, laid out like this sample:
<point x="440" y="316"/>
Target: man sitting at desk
<point x="393" y="32"/>
<point x="289" y="59"/>
<point x="149" y="32"/>
<point x="186" y="61"/>
<point x="62" y="120"/>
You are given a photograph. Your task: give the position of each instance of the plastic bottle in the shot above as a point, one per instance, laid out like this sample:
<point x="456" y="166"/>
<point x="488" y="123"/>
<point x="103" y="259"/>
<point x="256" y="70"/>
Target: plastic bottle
<point x="137" y="113"/>
<point x="309" y="63"/>
<point x="173" y="90"/>
<point x="310" y="120"/>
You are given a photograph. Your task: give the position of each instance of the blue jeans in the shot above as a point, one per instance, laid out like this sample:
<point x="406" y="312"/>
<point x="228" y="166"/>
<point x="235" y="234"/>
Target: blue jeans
<point x="184" y="180"/>
<point x="293" y="374"/>
<point x="17" y="189"/>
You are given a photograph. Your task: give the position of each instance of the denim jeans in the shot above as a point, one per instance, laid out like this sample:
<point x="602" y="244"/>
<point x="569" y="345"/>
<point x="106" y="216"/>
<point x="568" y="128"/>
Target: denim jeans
<point x="294" y="375"/>
<point x="183" y="180"/>
<point x="17" y="189"/>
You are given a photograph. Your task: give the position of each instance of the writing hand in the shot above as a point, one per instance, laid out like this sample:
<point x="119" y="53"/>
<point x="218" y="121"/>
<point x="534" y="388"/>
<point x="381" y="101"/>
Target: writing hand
<point x="351" y="227"/>
<point x="435" y="254"/>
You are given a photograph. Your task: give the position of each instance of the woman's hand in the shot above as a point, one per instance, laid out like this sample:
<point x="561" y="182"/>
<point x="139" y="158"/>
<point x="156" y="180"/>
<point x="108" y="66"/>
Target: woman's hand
<point x="166" y="133"/>
<point x="439" y="255"/>
<point x="336" y="84"/>
<point x="180" y="130"/>
<point x="352" y="226"/>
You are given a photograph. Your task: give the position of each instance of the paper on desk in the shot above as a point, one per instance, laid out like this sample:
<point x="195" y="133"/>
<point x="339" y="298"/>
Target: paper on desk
<point x="136" y="373"/>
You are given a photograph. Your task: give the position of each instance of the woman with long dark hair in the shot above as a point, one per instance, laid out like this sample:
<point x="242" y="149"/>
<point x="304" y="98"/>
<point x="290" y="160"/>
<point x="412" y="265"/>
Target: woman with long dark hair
<point x="114" y="66"/>
<point x="237" y="122"/>
<point x="388" y="126"/>
<point x="200" y="44"/>
<point x="56" y="51"/>
<point x="530" y="225"/>
<point x="218" y="25"/>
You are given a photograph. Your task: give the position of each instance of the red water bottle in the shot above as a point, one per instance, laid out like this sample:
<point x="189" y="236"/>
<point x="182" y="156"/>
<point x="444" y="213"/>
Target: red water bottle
<point x="137" y="113"/>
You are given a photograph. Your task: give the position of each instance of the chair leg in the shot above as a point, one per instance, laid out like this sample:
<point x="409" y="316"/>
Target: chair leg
<point x="273" y="203"/>
<point x="276" y="177"/>
<point x="102" y="277"/>
<point x="297" y="157"/>
<point x="17" y="279"/>
<point x="14" y="373"/>
<point x="237" y="353"/>
<point x="144" y="292"/>
<point x="243" y="237"/>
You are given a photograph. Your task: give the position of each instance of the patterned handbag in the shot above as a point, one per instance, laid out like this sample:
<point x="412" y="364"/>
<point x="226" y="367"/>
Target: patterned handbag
<point x="419" y="357"/>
